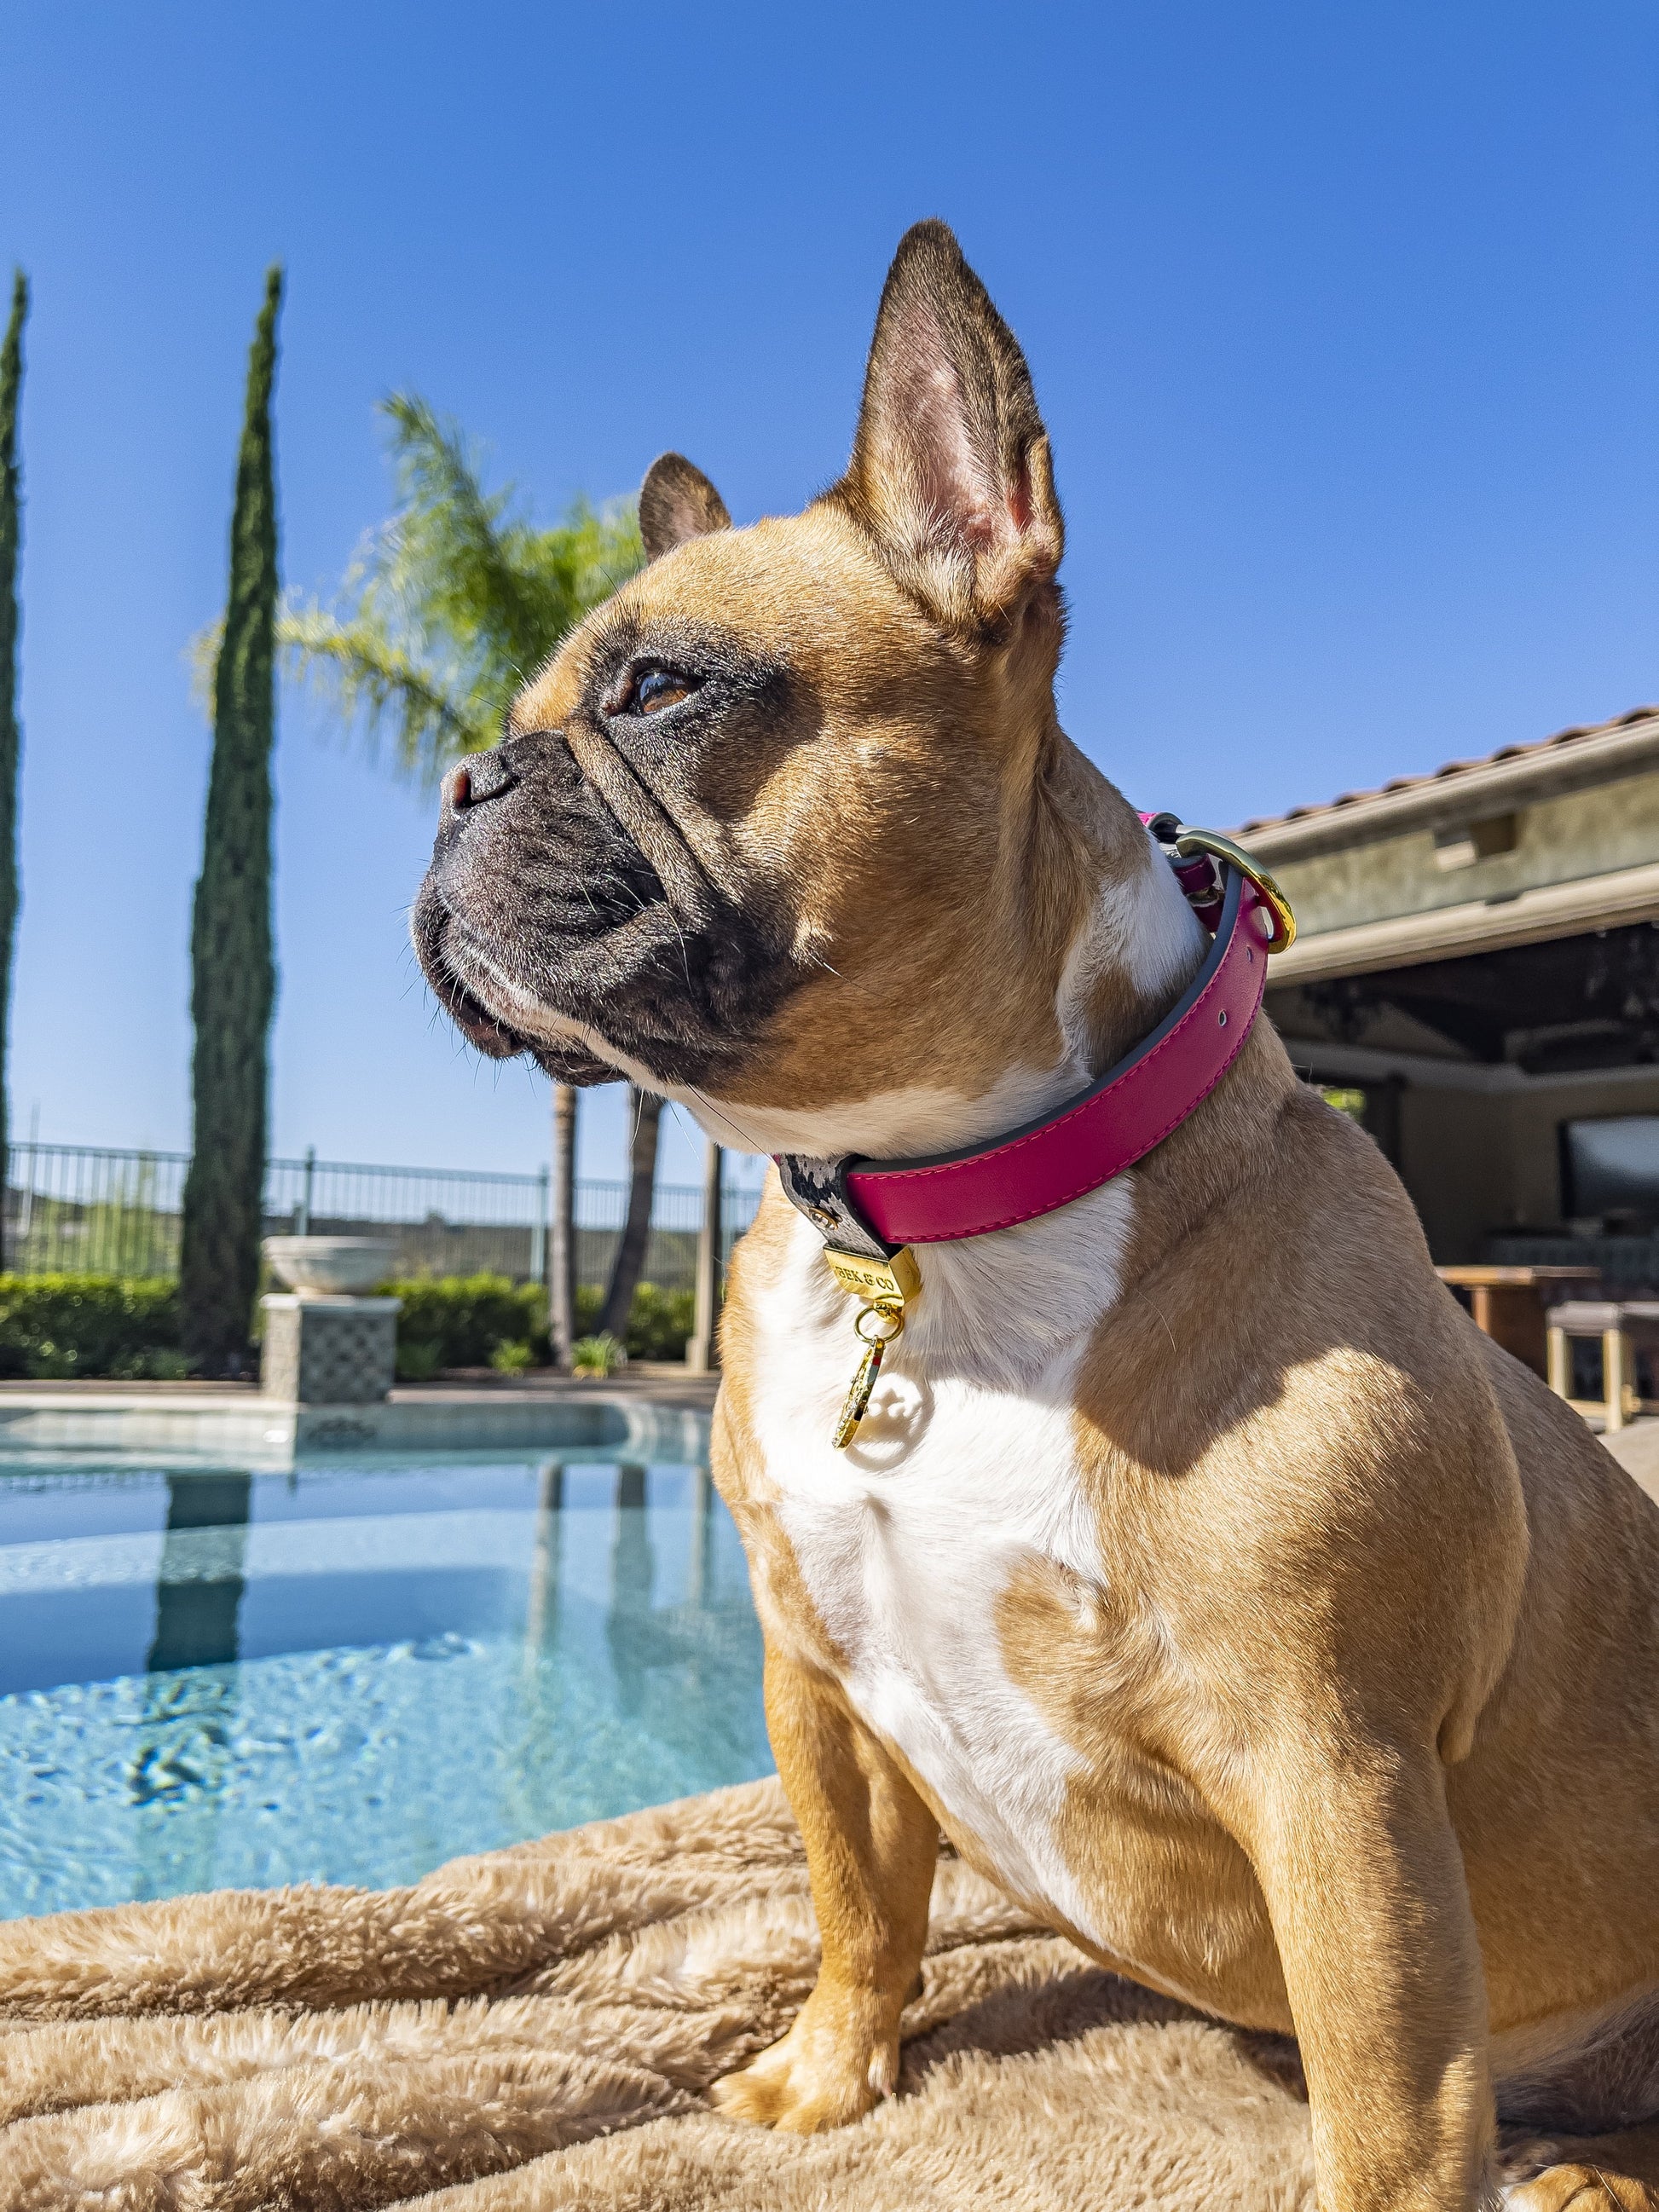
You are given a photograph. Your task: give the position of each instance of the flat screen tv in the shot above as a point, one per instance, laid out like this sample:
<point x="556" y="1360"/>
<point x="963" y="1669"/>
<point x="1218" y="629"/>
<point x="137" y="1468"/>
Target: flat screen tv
<point x="1612" y="1167"/>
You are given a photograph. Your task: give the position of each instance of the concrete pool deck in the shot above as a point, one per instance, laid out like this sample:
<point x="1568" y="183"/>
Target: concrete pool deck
<point x="1636" y="1450"/>
<point x="660" y="1414"/>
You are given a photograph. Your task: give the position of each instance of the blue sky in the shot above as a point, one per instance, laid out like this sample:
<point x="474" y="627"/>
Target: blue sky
<point x="1345" y="318"/>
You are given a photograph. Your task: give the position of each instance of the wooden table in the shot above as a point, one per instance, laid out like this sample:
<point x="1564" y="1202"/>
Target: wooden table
<point x="1509" y="1304"/>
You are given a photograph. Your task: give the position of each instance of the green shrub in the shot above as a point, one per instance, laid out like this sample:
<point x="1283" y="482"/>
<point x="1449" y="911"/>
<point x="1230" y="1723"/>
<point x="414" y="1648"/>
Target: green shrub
<point x="486" y="1320"/>
<point x="417" y="1361"/>
<point x="597" y="1355"/>
<point x="660" y="1323"/>
<point x="657" y="1327"/>
<point x="158" y="1365"/>
<point x="53" y="1327"/>
<point x="458" y="1321"/>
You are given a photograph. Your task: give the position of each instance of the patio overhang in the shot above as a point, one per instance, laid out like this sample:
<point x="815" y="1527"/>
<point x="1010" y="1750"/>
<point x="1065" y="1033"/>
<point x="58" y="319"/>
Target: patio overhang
<point x="1478" y="963"/>
<point x="1499" y="913"/>
<point x="1617" y="899"/>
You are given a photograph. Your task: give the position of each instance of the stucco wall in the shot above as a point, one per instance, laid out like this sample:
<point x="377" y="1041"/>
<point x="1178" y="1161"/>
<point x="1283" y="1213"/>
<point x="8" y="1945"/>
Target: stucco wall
<point x="1584" y="833"/>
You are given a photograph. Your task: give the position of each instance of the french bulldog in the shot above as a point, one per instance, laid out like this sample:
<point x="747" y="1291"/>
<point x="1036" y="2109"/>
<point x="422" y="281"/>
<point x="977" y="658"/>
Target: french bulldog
<point x="1196" y="1567"/>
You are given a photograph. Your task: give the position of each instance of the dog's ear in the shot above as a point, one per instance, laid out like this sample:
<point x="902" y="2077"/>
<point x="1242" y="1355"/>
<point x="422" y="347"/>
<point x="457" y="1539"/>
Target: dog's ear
<point x="677" y="501"/>
<point x="950" y="469"/>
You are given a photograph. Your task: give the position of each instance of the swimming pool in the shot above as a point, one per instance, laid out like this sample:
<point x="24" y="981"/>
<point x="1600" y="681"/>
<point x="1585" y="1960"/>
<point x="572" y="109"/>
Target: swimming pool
<point x="353" y="1670"/>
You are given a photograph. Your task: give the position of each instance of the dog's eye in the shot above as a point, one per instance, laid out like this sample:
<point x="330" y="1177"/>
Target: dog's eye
<point x="658" y="688"/>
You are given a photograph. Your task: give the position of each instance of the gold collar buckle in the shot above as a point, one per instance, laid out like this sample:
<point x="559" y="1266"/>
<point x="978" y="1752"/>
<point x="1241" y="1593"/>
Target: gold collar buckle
<point x="1187" y="842"/>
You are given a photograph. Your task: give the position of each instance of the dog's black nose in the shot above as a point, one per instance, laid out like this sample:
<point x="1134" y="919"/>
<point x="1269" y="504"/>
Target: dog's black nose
<point x="478" y="777"/>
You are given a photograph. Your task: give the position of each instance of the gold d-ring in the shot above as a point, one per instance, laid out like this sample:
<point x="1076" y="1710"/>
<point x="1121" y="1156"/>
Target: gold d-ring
<point x="1190" y="842"/>
<point x="881" y="1311"/>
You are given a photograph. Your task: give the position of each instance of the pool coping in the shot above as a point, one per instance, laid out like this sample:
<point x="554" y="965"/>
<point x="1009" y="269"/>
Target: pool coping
<point x="273" y="1433"/>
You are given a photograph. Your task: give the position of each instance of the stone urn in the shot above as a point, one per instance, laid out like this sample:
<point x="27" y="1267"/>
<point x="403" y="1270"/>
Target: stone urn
<point x="331" y="1267"/>
<point x="324" y="1342"/>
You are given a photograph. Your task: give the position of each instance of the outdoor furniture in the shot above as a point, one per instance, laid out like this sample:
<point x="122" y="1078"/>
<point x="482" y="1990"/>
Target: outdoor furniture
<point x="1623" y="1325"/>
<point x="1509" y="1304"/>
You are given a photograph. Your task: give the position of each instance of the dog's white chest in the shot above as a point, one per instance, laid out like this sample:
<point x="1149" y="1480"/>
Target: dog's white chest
<point x="907" y="1543"/>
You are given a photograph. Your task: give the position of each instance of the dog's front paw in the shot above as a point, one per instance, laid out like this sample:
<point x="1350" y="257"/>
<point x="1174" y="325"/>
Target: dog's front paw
<point x="829" y="2069"/>
<point x="1584" y="2188"/>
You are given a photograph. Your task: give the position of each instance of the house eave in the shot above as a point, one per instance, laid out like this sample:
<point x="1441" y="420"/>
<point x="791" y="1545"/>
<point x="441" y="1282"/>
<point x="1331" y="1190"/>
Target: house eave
<point x="1471" y="794"/>
<point x="1564" y="909"/>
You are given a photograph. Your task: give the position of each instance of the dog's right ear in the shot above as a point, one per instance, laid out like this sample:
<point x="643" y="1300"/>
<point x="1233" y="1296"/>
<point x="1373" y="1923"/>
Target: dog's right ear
<point x="951" y="471"/>
<point x="677" y="501"/>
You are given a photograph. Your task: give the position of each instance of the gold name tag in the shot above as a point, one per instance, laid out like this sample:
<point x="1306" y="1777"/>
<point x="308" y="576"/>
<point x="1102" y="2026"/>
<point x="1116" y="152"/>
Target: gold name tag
<point x="893" y="1281"/>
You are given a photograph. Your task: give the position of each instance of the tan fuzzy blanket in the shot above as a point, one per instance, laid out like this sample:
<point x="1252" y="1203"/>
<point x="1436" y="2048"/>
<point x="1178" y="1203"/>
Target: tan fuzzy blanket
<point x="535" y="2028"/>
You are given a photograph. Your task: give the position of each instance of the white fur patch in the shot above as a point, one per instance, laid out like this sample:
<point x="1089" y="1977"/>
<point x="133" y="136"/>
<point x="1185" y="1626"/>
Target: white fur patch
<point x="999" y="1309"/>
<point x="964" y="1471"/>
<point x="1140" y="927"/>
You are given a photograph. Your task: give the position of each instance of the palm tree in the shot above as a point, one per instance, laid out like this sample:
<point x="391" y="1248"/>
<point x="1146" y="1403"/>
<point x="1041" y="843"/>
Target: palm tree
<point x="444" y="613"/>
<point x="561" y="1238"/>
<point x="449" y="607"/>
<point x="645" y="1115"/>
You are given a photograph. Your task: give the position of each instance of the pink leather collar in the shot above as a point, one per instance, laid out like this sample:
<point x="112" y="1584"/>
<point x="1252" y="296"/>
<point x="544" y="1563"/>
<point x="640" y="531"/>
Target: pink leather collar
<point x="874" y="1207"/>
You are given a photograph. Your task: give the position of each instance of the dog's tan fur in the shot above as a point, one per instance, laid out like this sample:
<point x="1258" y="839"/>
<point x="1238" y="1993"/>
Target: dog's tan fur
<point x="1361" y="1691"/>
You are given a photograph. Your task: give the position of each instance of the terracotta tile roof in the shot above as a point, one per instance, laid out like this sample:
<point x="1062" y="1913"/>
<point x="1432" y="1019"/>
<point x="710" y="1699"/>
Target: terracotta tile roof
<point x="1455" y="768"/>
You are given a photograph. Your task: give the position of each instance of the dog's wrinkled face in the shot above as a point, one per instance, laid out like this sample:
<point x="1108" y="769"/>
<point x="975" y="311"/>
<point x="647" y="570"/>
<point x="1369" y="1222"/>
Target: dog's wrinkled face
<point x="778" y="795"/>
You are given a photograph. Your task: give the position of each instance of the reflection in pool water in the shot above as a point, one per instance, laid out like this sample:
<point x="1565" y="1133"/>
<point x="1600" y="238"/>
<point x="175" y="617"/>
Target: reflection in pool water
<point x="354" y="1671"/>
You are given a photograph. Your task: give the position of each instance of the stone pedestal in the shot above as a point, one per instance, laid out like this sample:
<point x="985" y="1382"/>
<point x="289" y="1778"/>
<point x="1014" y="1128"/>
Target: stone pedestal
<point x="328" y="1350"/>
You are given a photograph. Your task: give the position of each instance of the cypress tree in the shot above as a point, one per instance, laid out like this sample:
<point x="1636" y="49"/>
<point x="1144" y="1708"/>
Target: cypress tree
<point x="11" y="737"/>
<point x="233" y="970"/>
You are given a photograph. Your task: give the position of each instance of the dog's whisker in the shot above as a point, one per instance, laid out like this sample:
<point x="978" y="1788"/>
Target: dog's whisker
<point x="718" y="1113"/>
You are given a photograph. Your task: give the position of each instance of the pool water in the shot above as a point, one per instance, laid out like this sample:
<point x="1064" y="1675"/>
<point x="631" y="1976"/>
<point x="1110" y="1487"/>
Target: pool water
<point x="353" y="1671"/>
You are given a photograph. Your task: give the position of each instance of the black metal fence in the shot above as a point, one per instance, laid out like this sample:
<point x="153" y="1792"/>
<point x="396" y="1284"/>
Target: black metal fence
<point x="75" y="1209"/>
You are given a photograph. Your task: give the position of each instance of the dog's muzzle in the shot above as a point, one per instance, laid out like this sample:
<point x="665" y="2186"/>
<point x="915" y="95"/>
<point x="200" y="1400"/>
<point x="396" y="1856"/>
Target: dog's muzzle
<point x="564" y="884"/>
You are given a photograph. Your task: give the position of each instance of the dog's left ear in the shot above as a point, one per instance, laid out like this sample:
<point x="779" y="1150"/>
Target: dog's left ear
<point x="950" y="469"/>
<point x="677" y="501"/>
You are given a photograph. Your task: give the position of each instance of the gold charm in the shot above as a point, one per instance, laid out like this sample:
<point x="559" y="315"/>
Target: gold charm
<point x="877" y="1327"/>
<point x="885" y="1286"/>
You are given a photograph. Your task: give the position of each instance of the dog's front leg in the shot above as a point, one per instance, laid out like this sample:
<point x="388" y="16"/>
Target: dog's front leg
<point x="870" y="1849"/>
<point x="1357" y="1857"/>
